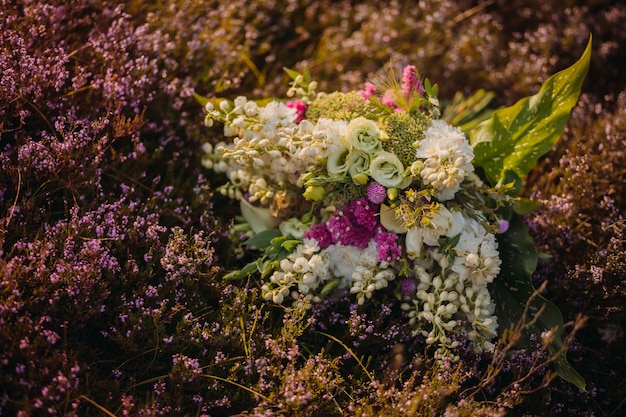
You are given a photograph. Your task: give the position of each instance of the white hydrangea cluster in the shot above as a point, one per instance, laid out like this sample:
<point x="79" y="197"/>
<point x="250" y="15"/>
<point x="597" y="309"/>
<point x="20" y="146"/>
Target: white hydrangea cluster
<point x="444" y="159"/>
<point x="269" y="148"/>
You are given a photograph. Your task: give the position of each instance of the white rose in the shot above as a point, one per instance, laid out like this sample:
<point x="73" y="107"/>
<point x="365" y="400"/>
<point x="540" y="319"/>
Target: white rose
<point x="358" y="162"/>
<point x="336" y="164"/>
<point x="387" y="170"/>
<point x="362" y="134"/>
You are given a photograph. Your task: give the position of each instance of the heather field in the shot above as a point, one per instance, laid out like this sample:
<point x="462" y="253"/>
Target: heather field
<point x="120" y="245"/>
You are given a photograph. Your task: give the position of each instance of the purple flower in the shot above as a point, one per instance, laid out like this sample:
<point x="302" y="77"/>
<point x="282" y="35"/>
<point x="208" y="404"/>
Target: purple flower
<point x="408" y="286"/>
<point x="341" y="228"/>
<point x="321" y="234"/>
<point x="387" y="245"/>
<point x="376" y="193"/>
<point x="364" y="212"/>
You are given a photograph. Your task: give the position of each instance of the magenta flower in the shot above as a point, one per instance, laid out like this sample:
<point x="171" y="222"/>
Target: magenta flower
<point x="364" y="212"/>
<point x="341" y="228"/>
<point x="387" y="245"/>
<point x="321" y="234"/>
<point x="410" y="81"/>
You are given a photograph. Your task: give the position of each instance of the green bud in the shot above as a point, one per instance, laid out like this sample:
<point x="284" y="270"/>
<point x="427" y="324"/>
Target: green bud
<point x="306" y="218"/>
<point x="392" y="193"/>
<point x="360" y="179"/>
<point x="314" y="193"/>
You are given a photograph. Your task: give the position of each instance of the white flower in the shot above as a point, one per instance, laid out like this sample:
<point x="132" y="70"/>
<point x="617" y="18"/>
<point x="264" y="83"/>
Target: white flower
<point x="343" y="261"/>
<point x="447" y="158"/>
<point x="276" y="114"/>
<point x="336" y="164"/>
<point x="358" y="162"/>
<point x="481" y="317"/>
<point x="477" y="255"/>
<point x="362" y="134"/>
<point x="444" y="223"/>
<point x="250" y="109"/>
<point x="387" y="170"/>
<point x="293" y="227"/>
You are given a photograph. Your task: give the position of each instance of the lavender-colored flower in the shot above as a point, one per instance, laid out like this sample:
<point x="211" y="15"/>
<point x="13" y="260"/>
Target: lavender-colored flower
<point x="376" y="193"/>
<point x="503" y="226"/>
<point x="408" y="286"/>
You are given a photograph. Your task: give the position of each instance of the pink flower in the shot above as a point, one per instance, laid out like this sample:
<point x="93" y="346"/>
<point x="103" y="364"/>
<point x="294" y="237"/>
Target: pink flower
<point x="410" y="82"/>
<point x="387" y="245"/>
<point x="300" y="108"/>
<point x="368" y="91"/>
<point x="340" y="228"/>
<point x="365" y="213"/>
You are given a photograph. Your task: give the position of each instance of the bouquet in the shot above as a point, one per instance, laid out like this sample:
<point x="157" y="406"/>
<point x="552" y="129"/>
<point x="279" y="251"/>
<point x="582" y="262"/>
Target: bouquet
<point x="380" y="190"/>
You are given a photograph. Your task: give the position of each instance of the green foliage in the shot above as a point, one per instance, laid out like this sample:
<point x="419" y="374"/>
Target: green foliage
<point x="509" y="144"/>
<point x="513" y="289"/>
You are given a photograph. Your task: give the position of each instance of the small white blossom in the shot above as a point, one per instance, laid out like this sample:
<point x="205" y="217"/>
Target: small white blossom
<point x="477" y="255"/>
<point x="447" y="158"/>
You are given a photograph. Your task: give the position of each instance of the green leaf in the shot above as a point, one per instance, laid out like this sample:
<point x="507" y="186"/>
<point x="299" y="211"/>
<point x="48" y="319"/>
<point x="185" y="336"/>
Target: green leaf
<point x="508" y="144"/>
<point x="292" y="74"/>
<point x="201" y="99"/>
<point x="290" y="244"/>
<point x="526" y="206"/>
<point x="262" y="239"/>
<point x="329" y="286"/>
<point x="246" y="271"/>
<point x="513" y="287"/>
<point x="307" y="75"/>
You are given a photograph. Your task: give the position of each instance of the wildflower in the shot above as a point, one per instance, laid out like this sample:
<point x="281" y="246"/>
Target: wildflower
<point x="300" y="107"/>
